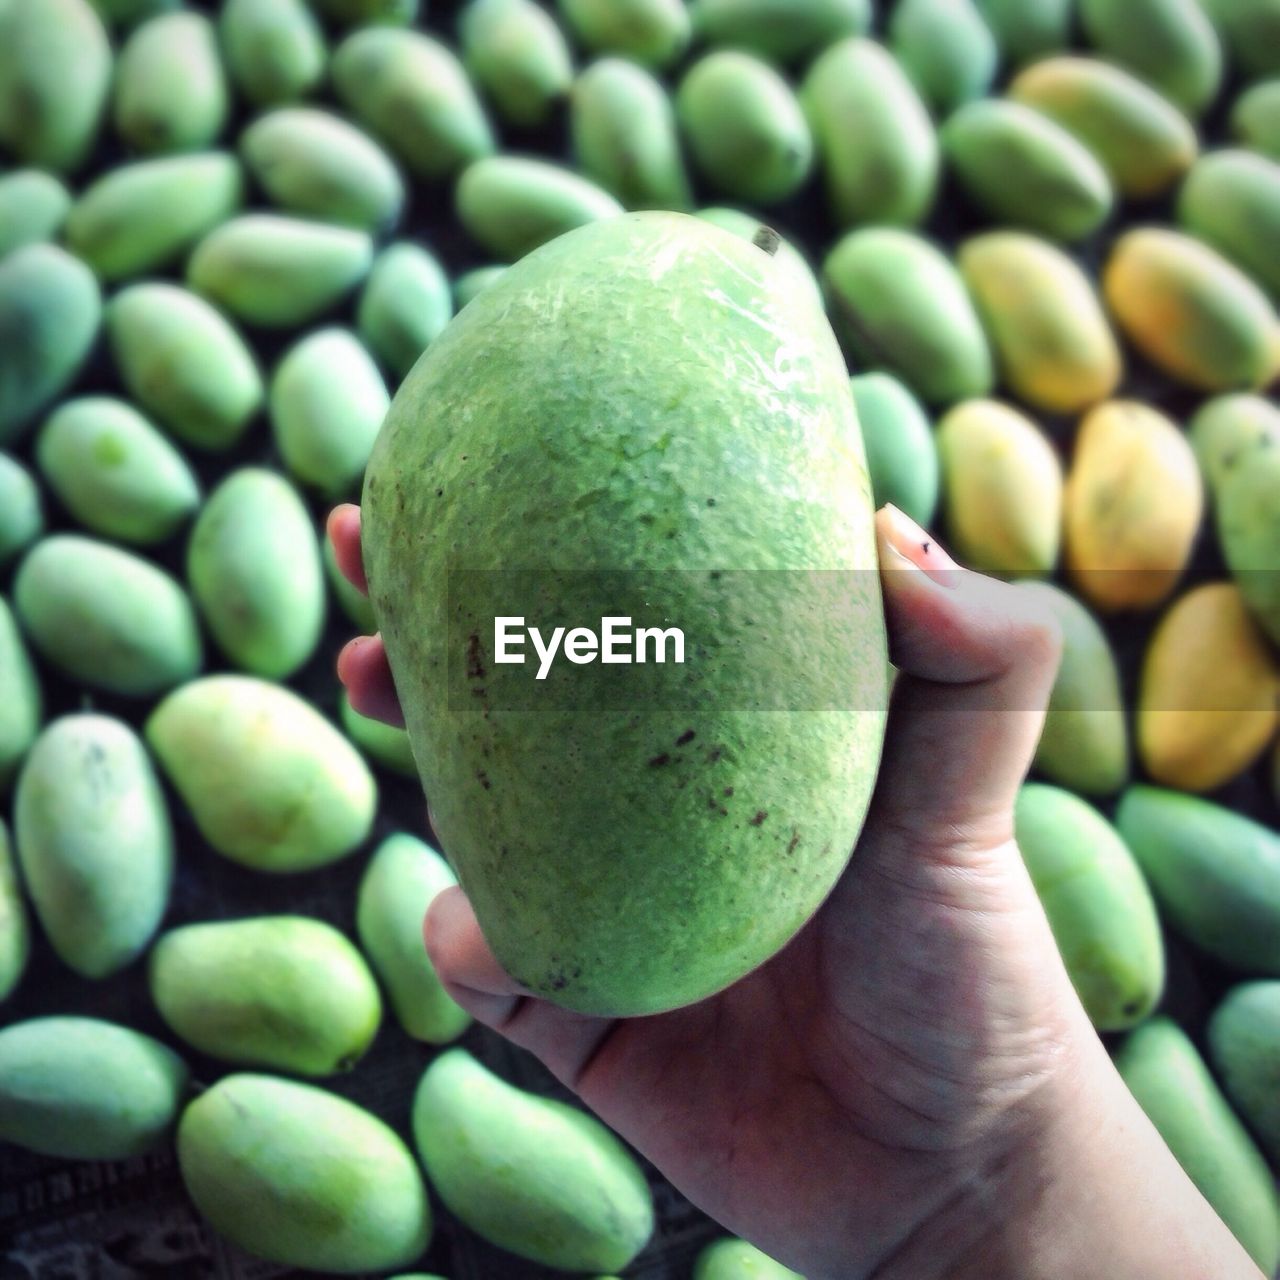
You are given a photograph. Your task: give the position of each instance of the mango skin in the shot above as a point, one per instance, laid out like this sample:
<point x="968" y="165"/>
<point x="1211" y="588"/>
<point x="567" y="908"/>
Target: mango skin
<point x="106" y="617"/>
<point x="1028" y="29"/>
<point x="788" y="258"/>
<point x="384" y="744"/>
<point x="518" y="55"/>
<point x="1232" y="430"/>
<point x="21" y="509"/>
<point x="399" y="884"/>
<point x="253" y="562"/>
<point x="1053" y="345"/>
<point x="1244" y="1047"/>
<point x="94" y="841"/>
<point x="1248" y="517"/>
<point x="85" y="1089"/>
<point x="269" y="781"/>
<point x="20" y="695"/>
<point x="1173" y="1086"/>
<point x="33" y="207"/>
<point x="1251" y="31"/>
<point x="902" y="456"/>
<point x="653" y="33"/>
<point x="785" y="31"/>
<point x="404" y="305"/>
<point x="1190" y="311"/>
<point x="947" y="49"/>
<point x="897" y="303"/>
<point x="737" y="1260"/>
<point x="1214" y="872"/>
<point x="274" y="49"/>
<point x="1255" y="117"/>
<point x="15" y="930"/>
<point x="1133" y="505"/>
<point x="282" y="992"/>
<point x="663" y="385"/>
<point x="299" y="1176"/>
<point x="535" y="1176"/>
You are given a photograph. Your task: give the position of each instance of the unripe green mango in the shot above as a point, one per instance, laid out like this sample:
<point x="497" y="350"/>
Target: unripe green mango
<point x="144" y="215"/>
<point x="1231" y="199"/>
<point x="107" y="617"/>
<point x="645" y="398"/>
<point x="404" y="305"/>
<point x="744" y="127"/>
<point x="1099" y="907"/>
<point x="21" y="509"/>
<point x="184" y="363"/>
<point x="512" y="204"/>
<point x="351" y="13"/>
<point x="1023" y="169"/>
<point x="296" y="1175"/>
<point x="15" y="931"/>
<point x="253" y="563"/>
<point x="947" y="49"/>
<point x="276" y="271"/>
<point x="283" y="992"/>
<point x="897" y="303"/>
<point x="1255" y="118"/>
<point x="170" y="90"/>
<point x="127" y="13"/>
<point x="269" y="781"/>
<point x="33" y="206"/>
<point x="901" y="455"/>
<point x="413" y="93"/>
<point x="1144" y="142"/>
<point x="114" y="472"/>
<point x="94" y="841"/>
<point x="85" y="1089"/>
<point x="472" y="282"/>
<point x="1028" y="29"/>
<point x="399" y="884"/>
<point x="1190" y="311"/>
<point x="788" y="258"/>
<point x="653" y="33"/>
<point x="354" y="603"/>
<point x="518" y="55"/>
<point x="784" y="31"/>
<point x="1251" y="31"/>
<point x="327" y="402"/>
<point x="384" y="744"/>
<point x="737" y="1260"/>
<point x="876" y="144"/>
<point x="50" y="313"/>
<point x="274" y="49"/>
<point x="20" y="695"/>
<point x="623" y="126"/>
<point x="1001" y="489"/>
<point x="1084" y="744"/>
<point x="314" y="163"/>
<point x="1173" y="1086"/>
<point x="55" y="68"/>
<point x="1052" y="342"/>
<point x="533" y="1175"/>
<point x="1248" y="516"/>
<point x="1227" y="431"/>
<point x="1244" y="1046"/>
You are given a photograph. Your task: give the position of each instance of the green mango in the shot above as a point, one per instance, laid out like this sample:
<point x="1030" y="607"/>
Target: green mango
<point x="785" y="31"/>
<point x="85" y="1089"/>
<point x="327" y="401"/>
<point x="276" y="271"/>
<point x="106" y="617"/>
<point x="114" y="472"/>
<point x="1099" y="907"/>
<point x="413" y="93"/>
<point x="1143" y="141"/>
<point x="789" y="259"/>
<point x="1084" y="744"/>
<point x="1173" y="1086"/>
<point x="512" y="204"/>
<point x="1244" y="1046"/>
<point x="15" y="931"/>
<point x="533" y="1175"/>
<point x="354" y="603"/>
<point x="518" y="55"/>
<point x="283" y="992"/>
<point x="94" y="842"/>
<point x="55" y="69"/>
<point x="50" y="314"/>
<point x="901" y="455"/>
<point x="876" y="144"/>
<point x="744" y="127"/>
<point x="184" y="363"/>
<point x="296" y="1175"/>
<point x="351" y="13"/>
<point x="269" y="781"/>
<point x="253" y="563"/>
<point x="897" y="304"/>
<point x="33" y="207"/>
<point x="145" y="215"/>
<point x="623" y="127"/>
<point x="654" y="33"/>
<point x="1215" y="873"/>
<point x="731" y="1259"/>
<point x="404" y="305"/>
<point x="128" y="13"/>
<point x="399" y="884"/>
<point x="1028" y="29"/>
<point x="1248" y="517"/>
<point x="314" y="163"/>
<point x="1023" y="169"/>
<point x="1228" y="428"/>
<point x="170" y="89"/>
<point x="679" y="394"/>
<point x="472" y="282"/>
<point x="1255" y="117"/>
<point x="947" y="49"/>
<point x="20" y="695"/>
<point x="21" y="509"/>
<point x="384" y="744"/>
<point x="274" y="49"/>
<point x="1251" y="31"/>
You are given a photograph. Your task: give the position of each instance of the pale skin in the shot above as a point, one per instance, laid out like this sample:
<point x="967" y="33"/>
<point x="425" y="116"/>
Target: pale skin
<point x="911" y="1089"/>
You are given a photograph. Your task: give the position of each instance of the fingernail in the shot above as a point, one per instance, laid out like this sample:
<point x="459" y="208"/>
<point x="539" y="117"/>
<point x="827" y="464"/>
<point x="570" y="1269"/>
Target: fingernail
<point x="908" y="541"/>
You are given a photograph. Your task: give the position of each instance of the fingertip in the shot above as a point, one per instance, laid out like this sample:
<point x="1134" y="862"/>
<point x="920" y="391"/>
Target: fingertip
<point x="366" y="674"/>
<point x="343" y="528"/>
<point x="464" y="962"/>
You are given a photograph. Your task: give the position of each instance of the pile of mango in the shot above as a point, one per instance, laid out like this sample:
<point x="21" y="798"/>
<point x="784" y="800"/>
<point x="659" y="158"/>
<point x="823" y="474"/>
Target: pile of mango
<point x="1047" y="235"/>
